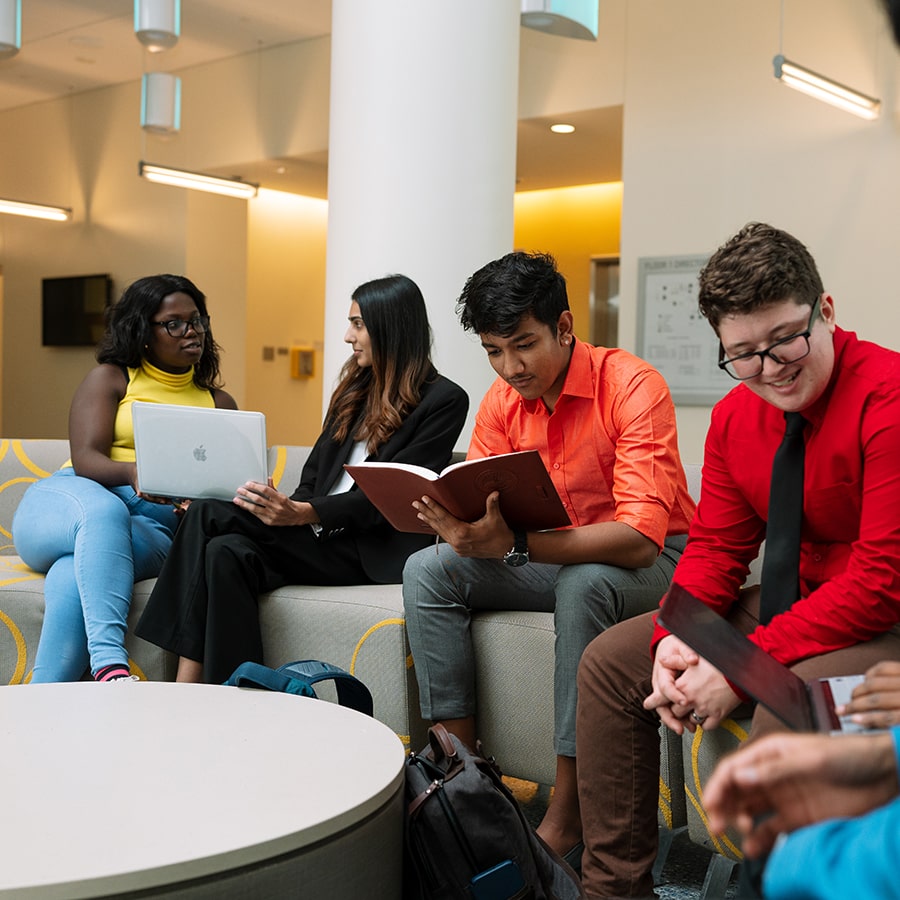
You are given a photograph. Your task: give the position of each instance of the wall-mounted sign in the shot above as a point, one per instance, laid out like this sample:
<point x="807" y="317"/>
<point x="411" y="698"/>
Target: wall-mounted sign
<point x="673" y="336"/>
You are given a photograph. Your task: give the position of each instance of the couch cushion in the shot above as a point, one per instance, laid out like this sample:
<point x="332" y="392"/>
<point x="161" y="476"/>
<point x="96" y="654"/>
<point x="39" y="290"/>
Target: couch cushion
<point x="22" y="463"/>
<point x="22" y="615"/>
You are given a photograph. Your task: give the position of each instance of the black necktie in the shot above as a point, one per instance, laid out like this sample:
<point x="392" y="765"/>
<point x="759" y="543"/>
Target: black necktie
<point x="781" y="563"/>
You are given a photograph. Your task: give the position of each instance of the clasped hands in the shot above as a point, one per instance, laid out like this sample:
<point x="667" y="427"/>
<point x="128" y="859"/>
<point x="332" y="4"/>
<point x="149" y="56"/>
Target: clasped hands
<point x="687" y="690"/>
<point x="486" y="538"/>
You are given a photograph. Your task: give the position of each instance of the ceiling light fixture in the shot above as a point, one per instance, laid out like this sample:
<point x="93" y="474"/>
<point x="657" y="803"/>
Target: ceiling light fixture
<point x="35" y="210"/>
<point x="160" y="103"/>
<point x="157" y="23"/>
<point x="10" y="27"/>
<point x="825" y="89"/>
<point x="566" y="18"/>
<point x="562" y="128"/>
<point x="229" y="187"/>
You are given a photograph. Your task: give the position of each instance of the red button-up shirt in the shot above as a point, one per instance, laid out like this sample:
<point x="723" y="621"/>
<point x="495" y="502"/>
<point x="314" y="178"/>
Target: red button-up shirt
<point x="850" y="541"/>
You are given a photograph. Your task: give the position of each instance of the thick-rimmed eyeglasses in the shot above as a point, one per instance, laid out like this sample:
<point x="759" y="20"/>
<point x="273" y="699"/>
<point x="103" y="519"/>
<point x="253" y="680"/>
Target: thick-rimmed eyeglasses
<point x="179" y="327"/>
<point x="789" y="349"/>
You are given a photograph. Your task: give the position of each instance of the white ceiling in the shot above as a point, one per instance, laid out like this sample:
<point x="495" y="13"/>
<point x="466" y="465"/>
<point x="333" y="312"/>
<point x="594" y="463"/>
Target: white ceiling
<point x="76" y="45"/>
<point x="70" y="46"/>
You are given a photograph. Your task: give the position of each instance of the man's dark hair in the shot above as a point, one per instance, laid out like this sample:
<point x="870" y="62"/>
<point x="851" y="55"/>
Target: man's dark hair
<point x="498" y="295"/>
<point x="759" y="266"/>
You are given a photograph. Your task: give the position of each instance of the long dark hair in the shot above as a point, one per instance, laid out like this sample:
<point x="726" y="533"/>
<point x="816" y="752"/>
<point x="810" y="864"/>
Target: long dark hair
<point x="370" y="404"/>
<point x="128" y="326"/>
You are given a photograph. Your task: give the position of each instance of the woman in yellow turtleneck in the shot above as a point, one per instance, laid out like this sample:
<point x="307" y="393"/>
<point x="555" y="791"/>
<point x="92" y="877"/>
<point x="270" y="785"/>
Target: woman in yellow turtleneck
<point x="85" y="526"/>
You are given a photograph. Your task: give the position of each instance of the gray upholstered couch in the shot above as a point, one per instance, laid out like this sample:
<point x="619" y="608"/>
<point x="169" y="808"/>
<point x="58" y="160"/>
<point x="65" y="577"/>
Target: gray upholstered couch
<point x="361" y="628"/>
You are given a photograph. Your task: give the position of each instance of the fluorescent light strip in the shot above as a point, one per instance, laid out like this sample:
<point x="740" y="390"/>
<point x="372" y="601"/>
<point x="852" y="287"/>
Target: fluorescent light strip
<point x="35" y="210"/>
<point x="230" y="187"/>
<point x="825" y="89"/>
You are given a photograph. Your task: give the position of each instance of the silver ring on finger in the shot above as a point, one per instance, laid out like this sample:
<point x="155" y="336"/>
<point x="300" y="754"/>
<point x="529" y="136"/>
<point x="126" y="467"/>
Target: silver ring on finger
<point x="698" y="719"/>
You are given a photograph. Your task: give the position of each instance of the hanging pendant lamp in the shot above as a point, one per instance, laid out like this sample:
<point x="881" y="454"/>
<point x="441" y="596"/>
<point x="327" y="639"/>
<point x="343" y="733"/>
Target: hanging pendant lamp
<point x="10" y="27"/>
<point x="566" y="18"/>
<point x="161" y="103"/>
<point x="157" y="23"/>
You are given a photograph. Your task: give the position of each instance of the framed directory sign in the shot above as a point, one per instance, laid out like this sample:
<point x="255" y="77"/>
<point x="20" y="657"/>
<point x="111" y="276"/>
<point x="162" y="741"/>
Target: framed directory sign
<point x="672" y="335"/>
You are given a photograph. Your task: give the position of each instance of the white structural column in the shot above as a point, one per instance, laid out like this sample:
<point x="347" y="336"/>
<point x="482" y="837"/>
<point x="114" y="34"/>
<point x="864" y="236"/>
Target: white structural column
<point x="421" y="160"/>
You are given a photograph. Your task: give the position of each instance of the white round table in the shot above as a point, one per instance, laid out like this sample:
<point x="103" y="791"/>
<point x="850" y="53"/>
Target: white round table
<point x="195" y="791"/>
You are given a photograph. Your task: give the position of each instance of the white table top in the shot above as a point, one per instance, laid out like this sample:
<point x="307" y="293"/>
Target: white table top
<point x="114" y="787"/>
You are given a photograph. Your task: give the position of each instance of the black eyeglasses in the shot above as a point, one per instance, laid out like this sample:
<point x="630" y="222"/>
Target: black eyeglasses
<point x="790" y="349"/>
<point x="179" y="327"/>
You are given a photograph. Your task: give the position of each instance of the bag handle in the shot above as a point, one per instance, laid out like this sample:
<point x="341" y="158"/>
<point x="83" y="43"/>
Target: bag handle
<point x="351" y="691"/>
<point x="442" y="746"/>
<point x="254" y="675"/>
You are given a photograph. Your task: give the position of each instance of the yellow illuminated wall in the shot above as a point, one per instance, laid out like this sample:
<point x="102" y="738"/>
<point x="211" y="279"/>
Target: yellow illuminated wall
<point x="573" y="224"/>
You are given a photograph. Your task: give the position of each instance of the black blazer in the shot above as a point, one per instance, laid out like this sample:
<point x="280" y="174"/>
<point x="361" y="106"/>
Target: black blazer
<point x="426" y="438"/>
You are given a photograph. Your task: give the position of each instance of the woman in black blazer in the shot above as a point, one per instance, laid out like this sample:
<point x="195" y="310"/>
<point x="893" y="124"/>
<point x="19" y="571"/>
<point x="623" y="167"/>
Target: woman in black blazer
<point x="390" y="404"/>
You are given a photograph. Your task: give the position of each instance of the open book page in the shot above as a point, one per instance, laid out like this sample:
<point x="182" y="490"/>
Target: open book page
<point x="528" y="499"/>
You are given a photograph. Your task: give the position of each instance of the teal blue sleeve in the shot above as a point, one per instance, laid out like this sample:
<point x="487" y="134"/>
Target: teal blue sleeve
<point x="840" y="858"/>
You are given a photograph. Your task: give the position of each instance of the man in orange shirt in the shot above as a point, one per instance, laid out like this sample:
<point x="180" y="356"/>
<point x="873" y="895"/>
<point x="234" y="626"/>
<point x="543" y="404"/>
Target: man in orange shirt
<point x="604" y="424"/>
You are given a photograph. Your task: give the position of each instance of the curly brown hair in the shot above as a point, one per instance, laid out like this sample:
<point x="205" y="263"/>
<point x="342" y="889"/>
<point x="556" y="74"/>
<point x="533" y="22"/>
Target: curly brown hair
<point x="759" y="266"/>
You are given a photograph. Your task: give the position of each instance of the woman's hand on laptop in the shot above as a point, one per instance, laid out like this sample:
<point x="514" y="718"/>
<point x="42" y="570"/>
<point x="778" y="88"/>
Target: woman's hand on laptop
<point x="273" y="507"/>
<point x="876" y="702"/>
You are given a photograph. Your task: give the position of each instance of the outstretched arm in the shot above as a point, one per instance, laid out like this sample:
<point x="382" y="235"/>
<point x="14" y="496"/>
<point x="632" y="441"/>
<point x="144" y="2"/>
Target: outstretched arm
<point x="784" y="781"/>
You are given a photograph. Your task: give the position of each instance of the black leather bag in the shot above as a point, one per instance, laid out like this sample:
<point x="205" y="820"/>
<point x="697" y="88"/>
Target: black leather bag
<point x="466" y="837"/>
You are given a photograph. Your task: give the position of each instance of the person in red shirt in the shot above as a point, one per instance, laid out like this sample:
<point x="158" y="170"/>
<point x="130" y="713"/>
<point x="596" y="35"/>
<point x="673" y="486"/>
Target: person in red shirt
<point x="764" y="297"/>
<point x="604" y="424"/>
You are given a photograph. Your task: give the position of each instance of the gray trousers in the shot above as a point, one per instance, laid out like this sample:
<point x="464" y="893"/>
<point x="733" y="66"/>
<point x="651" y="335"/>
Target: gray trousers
<point x="441" y="590"/>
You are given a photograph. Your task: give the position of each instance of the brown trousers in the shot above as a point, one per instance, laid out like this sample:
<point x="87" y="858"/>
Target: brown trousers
<point x="618" y="743"/>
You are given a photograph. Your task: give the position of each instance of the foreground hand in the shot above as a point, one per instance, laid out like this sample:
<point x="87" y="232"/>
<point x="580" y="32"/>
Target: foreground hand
<point x="876" y="702"/>
<point x="487" y="538"/>
<point x="783" y="781"/>
<point x="267" y="504"/>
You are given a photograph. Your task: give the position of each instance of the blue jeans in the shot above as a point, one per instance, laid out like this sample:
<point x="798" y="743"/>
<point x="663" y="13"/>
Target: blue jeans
<point x="92" y="543"/>
<point x="441" y="590"/>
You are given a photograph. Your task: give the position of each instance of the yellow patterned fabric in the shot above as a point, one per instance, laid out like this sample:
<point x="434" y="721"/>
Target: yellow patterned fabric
<point x="706" y="748"/>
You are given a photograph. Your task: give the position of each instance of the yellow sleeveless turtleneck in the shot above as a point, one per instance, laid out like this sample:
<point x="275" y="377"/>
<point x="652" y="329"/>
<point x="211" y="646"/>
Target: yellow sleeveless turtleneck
<point x="152" y="385"/>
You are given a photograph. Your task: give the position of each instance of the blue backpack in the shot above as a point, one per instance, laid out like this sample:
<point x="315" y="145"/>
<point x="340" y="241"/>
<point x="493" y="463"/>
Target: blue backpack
<point x="299" y="678"/>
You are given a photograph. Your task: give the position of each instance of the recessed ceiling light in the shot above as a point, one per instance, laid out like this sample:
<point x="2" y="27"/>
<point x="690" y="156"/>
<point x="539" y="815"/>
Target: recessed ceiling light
<point x="562" y="128"/>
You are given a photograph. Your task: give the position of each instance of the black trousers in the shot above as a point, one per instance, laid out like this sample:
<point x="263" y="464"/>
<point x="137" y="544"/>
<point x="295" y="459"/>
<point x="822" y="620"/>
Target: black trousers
<point x="204" y="605"/>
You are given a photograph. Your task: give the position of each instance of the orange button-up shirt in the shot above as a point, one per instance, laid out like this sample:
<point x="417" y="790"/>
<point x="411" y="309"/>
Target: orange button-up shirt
<point x="610" y="444"/>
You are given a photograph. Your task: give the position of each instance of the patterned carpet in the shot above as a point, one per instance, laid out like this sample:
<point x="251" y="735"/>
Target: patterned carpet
<point x="685" y="868"/>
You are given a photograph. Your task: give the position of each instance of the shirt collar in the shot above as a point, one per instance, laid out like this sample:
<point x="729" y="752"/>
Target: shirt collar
<point x="815" y="412"/>
<point x="578" y="381"/>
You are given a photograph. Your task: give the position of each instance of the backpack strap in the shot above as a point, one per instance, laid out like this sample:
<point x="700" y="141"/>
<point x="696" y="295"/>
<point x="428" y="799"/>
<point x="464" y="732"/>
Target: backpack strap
<point x="350" y="690"/>
<point x="254" y="675"/>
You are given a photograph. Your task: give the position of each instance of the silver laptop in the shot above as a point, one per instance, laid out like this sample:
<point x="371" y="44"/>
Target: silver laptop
<point x="801" y="705"/>
<point x="192" y="452"/>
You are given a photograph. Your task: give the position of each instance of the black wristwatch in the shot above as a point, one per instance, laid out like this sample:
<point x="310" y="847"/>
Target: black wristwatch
<point x="518" y="556"/>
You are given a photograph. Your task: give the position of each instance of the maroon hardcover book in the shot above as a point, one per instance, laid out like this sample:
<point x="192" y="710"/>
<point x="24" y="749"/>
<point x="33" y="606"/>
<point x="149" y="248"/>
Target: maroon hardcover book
<point x="528" y="499"/>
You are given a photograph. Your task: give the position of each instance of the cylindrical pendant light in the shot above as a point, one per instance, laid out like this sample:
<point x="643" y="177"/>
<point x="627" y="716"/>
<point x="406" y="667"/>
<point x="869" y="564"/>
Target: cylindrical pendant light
<point x="10" y="27"/>
<point x="157" y="23"/>
<point x="566" y="18"/>
<point x="160" y="103"/>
